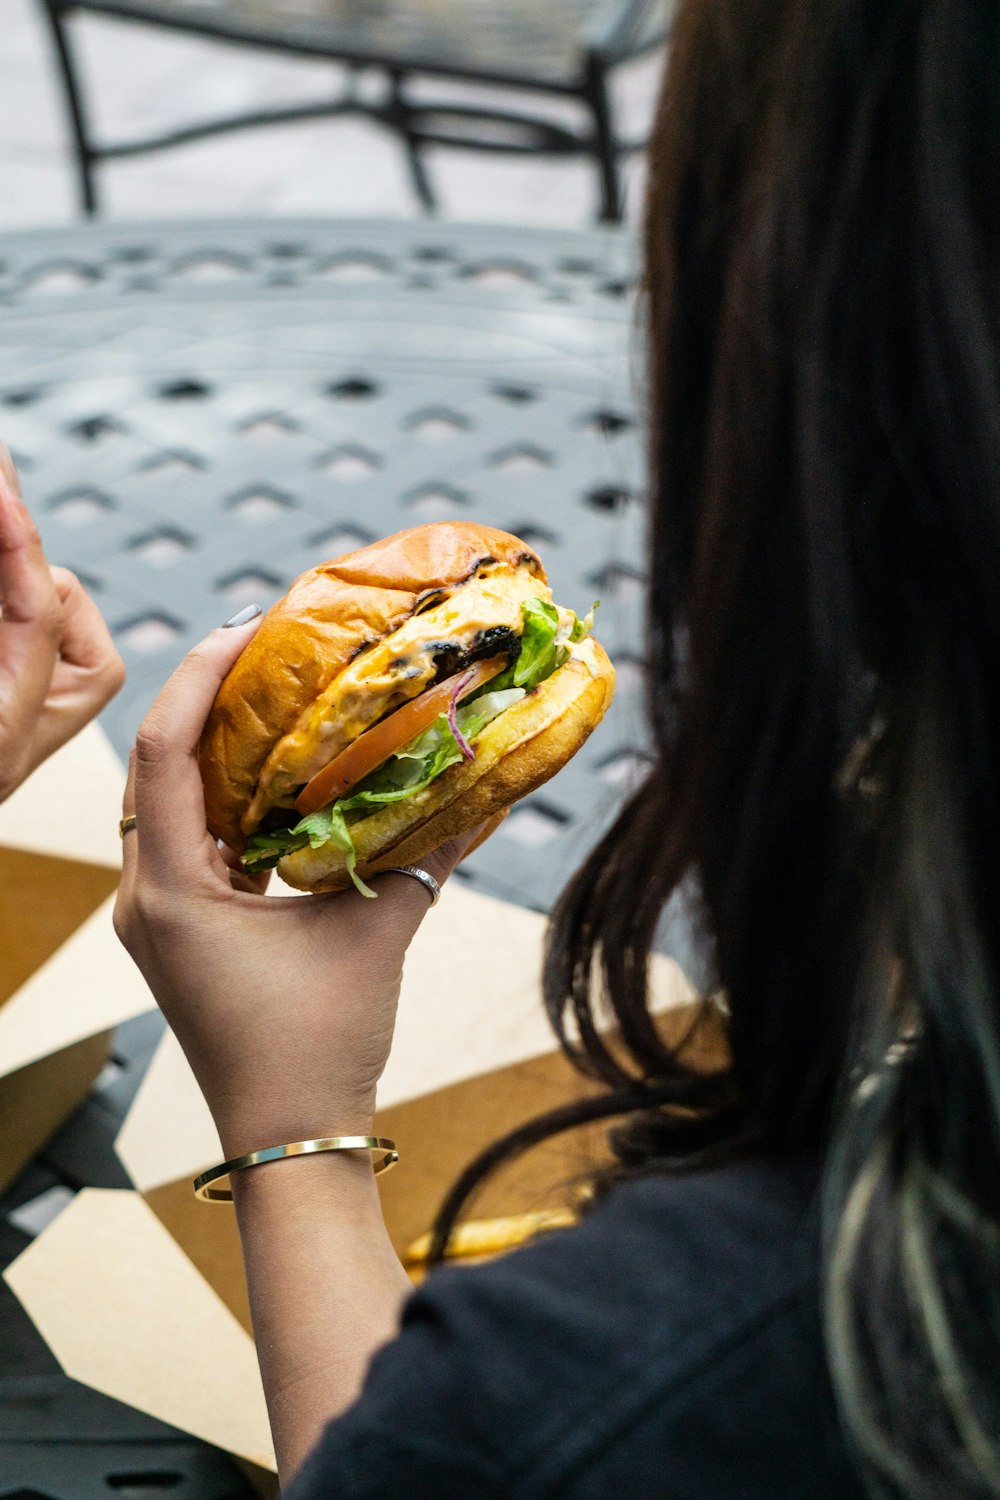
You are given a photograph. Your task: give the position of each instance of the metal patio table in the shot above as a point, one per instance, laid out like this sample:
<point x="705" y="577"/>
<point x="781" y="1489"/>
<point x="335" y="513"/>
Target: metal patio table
<point x="202" y="411"/>
<point x="556" y="49"/>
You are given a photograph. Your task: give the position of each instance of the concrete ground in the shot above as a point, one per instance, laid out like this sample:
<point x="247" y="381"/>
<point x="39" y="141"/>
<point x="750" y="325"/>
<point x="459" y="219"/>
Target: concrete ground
<point x="141" y="80"/>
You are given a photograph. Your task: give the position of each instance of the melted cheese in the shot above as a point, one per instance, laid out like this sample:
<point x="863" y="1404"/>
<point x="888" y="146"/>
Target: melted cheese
<point x="384" y="677"/>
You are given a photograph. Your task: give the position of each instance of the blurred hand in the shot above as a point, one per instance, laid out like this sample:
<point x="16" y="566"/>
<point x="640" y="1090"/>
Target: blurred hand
<point x="58" y="664"/>
<point x="284" y="1006"/>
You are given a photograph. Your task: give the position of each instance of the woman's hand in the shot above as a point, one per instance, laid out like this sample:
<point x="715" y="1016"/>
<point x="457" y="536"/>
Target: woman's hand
<point x="58" y="664"/>
<point x="285" y="1007"/>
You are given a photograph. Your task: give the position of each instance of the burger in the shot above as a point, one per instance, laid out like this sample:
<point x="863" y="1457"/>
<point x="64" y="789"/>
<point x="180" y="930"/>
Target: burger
<point x="394" y="698"/>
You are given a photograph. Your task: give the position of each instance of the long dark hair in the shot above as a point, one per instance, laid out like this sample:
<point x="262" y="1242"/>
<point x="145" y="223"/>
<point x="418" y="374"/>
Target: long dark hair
<point x="823" y="311"/>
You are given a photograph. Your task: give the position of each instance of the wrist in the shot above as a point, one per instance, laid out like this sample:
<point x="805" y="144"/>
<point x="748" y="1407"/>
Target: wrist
<point x="297" y="1192"/>
<point x="243" y="1137"/>
<point x="242" y="1130"/>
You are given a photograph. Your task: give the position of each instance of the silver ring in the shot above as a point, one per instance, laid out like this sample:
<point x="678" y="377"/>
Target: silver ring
<point x="427" y="881"/>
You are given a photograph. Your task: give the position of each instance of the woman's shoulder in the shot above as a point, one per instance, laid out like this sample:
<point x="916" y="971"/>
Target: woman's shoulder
<point x="706" y="1245"/>
<point x="598" y="1352"/>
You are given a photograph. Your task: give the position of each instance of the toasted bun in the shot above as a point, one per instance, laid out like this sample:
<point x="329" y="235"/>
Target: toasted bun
<point x="310" y="636"/>
<point x="520" y="750"/>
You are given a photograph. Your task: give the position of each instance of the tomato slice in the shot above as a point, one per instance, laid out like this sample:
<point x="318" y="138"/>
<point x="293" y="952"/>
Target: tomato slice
<point x="373" y="748"/>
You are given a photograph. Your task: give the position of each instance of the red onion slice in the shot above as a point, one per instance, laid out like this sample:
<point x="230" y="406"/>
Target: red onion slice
<point x="460" y="740"/>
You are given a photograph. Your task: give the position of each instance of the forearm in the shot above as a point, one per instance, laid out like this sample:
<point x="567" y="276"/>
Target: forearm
<point x="277" y="1058"/>
<point x="325" y="1284"/>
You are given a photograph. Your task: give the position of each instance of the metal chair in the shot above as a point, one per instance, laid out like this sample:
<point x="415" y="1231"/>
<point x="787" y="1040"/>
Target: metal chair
<point x="564" y="49"/>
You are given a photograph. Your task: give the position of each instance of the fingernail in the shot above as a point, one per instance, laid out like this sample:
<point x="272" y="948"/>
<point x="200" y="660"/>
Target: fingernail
<point x="8" y="468"/>
<point x="243" y="617"/>
<point x="14" y="523"/>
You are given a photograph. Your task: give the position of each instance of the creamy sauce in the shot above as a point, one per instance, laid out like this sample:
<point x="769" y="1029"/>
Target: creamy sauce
<point x="387" y="675"/>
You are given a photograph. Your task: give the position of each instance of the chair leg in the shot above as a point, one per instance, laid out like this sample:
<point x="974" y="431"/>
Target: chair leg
<point x="402" y="122"/>
<point x="605" y="151"/>
<point x="85" y="156"/>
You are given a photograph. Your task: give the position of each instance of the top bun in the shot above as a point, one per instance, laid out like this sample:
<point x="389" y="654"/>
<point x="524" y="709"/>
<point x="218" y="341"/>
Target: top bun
<point x="307" y="638"/>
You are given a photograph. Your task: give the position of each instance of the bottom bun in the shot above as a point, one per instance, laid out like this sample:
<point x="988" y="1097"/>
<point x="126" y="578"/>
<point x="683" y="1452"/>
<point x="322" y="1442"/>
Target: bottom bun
<point x="520" y="750"/>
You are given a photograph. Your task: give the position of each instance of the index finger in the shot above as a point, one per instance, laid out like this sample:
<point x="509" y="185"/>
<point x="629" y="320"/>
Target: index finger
<point x="30" y="610"/>
<point x="169" y="798"/>
<point x="86" y="640"/>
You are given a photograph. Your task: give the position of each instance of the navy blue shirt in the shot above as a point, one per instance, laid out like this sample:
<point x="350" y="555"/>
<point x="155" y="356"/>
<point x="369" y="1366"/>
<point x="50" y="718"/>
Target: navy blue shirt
<point x="667" y="1348"/>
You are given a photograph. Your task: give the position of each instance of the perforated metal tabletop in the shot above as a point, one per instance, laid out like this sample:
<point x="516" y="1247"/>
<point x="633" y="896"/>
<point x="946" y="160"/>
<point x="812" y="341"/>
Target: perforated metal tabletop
<point x="201" y="412"/>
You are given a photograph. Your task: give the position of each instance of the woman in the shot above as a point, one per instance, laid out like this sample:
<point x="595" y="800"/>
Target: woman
<point x="58" y="664"/>
<point x="823" y="313"/>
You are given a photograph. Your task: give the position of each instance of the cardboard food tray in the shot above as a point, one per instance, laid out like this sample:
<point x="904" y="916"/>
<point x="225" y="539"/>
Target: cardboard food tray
<point x="65" y="981"/>
<point x="473" y="1056"/>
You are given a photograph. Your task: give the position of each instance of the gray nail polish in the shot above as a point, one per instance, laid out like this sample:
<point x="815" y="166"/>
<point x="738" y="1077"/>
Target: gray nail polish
<point x="243" y="617"/>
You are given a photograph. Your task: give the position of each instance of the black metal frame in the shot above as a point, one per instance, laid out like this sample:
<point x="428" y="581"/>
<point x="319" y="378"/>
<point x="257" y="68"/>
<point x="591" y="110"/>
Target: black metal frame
<point x="611" y="38"/>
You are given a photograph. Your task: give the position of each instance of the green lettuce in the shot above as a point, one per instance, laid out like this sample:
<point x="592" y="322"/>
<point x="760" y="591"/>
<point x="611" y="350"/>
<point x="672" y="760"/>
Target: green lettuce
<point x="328" y="826"/>
<point x="539" y="656"/>
<point x="405" y="774"/>
<point x="582" y="628"/>
<point x="264" y="850"/>
<point x="473" y="717"/>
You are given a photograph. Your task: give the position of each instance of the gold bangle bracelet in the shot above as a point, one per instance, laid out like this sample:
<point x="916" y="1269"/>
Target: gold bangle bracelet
<point x="211" y="1188"/>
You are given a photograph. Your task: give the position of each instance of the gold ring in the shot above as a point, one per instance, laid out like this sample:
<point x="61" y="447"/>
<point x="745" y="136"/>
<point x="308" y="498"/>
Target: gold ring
<point x="126" y="825"/>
